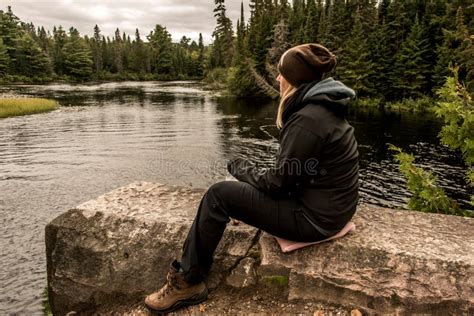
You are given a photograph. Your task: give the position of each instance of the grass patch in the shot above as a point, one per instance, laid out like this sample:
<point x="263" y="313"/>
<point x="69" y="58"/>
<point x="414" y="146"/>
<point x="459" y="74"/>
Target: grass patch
<point x="278" y="280"/>
<point x="46" y="307"/>
<point x="424" y="104"/>
<point x="24" y="106"/>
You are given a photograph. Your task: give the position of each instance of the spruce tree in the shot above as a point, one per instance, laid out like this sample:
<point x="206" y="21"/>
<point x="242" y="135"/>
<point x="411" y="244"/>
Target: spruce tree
<point x="449" y="52"/>
<point x="240" y="81"/>
<point x="381" y="60"/>
<point x="30" y="60"/>
<point x="77" y="57"/>
<point x="9" y="32"/>
<point x="222" y="51"/>
<point x="161" y="46"/>
<point x="4" y="59"/>
<point x="355" y="68"/>
<point x="200" y="69"/>
<point x="411" y="70"/>
<point x="97" y="51"/>
<point x="59" y="38"/>
<point x="312" y="23"/>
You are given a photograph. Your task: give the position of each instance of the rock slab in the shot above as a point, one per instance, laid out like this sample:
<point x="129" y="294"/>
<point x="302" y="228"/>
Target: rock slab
<point x="118" y="247"/>
<point x="396" y="262"/>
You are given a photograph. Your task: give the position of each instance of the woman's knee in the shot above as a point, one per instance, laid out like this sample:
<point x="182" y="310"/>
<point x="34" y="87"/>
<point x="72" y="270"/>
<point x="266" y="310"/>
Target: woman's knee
<point x="220" y="192"/>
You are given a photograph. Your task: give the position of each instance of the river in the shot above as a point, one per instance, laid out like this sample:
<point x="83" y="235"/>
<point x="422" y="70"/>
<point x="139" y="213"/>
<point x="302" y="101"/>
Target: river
<point x="110" y="134"/>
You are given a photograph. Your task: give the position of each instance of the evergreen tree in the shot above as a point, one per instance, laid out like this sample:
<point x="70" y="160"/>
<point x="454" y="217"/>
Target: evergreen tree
<point x="355" y="67"/>
<point x="312" y="23"/>
<point x="60" y="38"/>
<point x="138" y="56"/>
<point x="97" y="50"/>
<point x="77" y="57"/>
<point x="411" y="70"/>
<point x="222" y="51"/>
<point x="296" y="22"/>
<point x="467" y="59"/>
<point x="9" y="32"/>
<point x="4" y="59"/>
<point x="449" y="53"/>
<point x="381" y="60"/>
<point x="161" y="45"/>
<point x="200" y="68"/>
<point x="30" y="60"/>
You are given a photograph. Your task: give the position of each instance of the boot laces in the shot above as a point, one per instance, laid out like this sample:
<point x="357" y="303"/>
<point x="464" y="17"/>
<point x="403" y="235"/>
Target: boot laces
<point x="171" y="284"/>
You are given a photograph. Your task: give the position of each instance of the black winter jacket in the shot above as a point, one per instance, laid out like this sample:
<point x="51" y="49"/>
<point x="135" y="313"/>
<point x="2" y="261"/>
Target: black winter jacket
<point x="317" y="162"/>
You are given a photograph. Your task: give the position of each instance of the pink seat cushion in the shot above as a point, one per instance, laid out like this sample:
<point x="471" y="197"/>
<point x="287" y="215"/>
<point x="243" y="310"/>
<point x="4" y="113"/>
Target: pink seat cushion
<point x="288" y="245"/>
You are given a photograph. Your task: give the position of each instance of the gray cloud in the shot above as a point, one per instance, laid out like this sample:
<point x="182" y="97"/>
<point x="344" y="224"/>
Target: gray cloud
<point x="181" y="17"/>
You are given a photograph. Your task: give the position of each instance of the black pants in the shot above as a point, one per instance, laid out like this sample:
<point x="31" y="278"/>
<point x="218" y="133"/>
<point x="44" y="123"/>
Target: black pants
<point x="280" y="217"/>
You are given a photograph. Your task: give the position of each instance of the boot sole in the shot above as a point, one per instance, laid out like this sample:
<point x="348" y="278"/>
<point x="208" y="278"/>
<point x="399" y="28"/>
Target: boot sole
<point x="179" y="304"/>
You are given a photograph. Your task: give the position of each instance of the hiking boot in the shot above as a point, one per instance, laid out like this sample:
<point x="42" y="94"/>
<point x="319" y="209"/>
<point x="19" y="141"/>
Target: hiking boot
<point x="176" y="293"/>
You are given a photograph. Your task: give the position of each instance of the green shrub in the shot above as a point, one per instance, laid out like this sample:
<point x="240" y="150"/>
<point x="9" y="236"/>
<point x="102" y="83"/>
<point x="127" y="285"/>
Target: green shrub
<point x="426" y="195"/>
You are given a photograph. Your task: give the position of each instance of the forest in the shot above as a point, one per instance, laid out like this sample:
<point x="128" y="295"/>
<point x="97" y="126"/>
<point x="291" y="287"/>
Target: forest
<point x="387" y="50"/>
<point x="29" y="53"/>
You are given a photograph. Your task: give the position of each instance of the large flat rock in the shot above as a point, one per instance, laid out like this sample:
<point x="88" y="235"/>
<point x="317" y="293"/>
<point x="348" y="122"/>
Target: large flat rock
<point x="396" y="261"/>
<point x="118" y="247"/>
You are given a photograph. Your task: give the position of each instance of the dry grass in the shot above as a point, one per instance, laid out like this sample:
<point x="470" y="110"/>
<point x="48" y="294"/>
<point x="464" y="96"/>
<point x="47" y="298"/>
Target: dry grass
<point x="23" y="106"/>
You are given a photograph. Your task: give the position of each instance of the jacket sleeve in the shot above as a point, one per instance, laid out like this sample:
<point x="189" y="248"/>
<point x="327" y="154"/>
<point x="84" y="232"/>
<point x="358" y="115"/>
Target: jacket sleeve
<point x="299" y="150"/>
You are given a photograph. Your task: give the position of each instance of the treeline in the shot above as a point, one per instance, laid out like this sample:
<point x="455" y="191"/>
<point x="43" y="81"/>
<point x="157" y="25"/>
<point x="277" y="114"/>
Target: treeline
<point x="386" y="49"/>
<point x="28" y="53"/>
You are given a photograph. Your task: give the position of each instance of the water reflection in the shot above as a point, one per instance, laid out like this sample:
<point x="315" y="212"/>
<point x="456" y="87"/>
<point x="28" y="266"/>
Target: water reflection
<point x="111" y="134"/>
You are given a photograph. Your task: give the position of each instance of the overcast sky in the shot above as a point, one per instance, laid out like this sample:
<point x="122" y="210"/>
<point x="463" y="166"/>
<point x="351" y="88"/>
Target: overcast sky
<point x="181" y="17"/>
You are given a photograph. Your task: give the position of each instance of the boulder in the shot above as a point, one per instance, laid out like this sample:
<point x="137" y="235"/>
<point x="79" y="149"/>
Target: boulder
<point x="396" y="261"/>
<point x="118" y="247"/>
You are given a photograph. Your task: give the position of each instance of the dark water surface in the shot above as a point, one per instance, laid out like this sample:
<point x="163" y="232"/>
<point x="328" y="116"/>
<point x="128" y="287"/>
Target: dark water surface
<point x="108" y="135"/>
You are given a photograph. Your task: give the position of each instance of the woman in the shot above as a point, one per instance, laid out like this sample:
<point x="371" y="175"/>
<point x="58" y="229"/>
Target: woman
<point x="309" y="195"/>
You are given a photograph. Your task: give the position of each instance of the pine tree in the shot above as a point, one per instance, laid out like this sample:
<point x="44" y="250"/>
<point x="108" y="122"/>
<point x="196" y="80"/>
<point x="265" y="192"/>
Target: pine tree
<point x="411" y="70"/>
<point x="9" y="32"/>
<point x="222" y="52"/>
<point x="97" y="51"/>
<point x="161" y="45"/>
<point x="296" y="22"/>
<point x="4" y="59"/>
<point x="200" y="69"/>
<point x="449" y="53"/>
<point x="467" y="59"/>
<point x="30" y="60"/>
<point x="77" y="57"/>
<point x="312" y="23"/>
<point x="60" y="38"/>
<point x="381" y="60"/>
<point x="138" y="56"/>
<point x="355" y="68"/>
<point x="240" y="81"/>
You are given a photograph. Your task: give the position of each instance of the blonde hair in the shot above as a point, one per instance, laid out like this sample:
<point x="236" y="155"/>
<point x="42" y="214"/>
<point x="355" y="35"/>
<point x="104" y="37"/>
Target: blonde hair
<point x="281" y="107"/>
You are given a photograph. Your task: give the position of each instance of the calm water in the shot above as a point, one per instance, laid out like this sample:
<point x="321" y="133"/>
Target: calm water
<point x="109" y="135"/>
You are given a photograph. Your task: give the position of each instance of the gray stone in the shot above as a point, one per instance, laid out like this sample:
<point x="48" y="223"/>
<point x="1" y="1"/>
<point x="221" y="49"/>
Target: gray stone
<point x="396" y="261"/>
<point x="244" y="274"/>
<point x="118" y="247"/>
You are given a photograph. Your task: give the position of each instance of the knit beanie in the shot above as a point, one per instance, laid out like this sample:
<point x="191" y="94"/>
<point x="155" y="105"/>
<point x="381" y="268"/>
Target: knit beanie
<point x="305" y="63"/>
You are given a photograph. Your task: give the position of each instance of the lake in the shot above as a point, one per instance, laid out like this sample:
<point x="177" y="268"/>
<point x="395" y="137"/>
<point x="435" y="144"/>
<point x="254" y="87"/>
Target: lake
<point x="110" y="134"/>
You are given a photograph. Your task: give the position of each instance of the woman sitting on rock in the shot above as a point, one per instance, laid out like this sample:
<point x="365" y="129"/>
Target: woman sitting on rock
<point x="309" y="195"/>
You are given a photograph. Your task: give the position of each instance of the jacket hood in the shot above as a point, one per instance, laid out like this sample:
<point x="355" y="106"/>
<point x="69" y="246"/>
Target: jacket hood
<point x="329" y="91"/>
